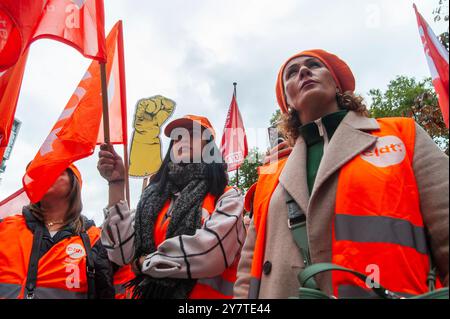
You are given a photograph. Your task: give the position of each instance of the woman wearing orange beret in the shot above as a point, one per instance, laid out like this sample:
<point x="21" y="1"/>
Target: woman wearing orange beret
<point x="370" y="195"/>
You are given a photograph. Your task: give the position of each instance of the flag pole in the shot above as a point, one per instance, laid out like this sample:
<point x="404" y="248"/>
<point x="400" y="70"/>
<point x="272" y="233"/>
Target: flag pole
<point x="127" y="168"/>
<point x="105" y="105"/>
<point x="237" y="170"/>
<point x="105" y="102"/>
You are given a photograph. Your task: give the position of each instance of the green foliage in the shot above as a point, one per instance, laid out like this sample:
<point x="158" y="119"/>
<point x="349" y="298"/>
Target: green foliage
<point x="399" y="97"/>
<point x="248" y="173"/>
<point x="411" y="98"/>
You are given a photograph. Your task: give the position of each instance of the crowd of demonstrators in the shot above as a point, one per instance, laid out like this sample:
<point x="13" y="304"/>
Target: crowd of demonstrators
<point x="185" y="236"/>
<point x="356" y="191"/>
<point x="343" y="188"/>
<point x="51" y="251"/>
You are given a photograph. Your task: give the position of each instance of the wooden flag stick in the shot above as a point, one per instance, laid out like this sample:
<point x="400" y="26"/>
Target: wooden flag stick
<point x="107" y="139"/>
<point x="237" y="170"/>
<point x="105" y="104"/>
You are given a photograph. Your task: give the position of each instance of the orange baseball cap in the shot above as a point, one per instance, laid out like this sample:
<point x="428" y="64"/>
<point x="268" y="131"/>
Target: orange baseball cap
<point x="187" y="121"/>
<point x="340" y="71"/>
<point x="77" y="173"/>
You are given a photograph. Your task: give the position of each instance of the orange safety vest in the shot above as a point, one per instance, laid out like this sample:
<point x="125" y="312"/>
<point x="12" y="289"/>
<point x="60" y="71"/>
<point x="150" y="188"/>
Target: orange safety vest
<point x="219" y="287"/>
<point x="61" y="272"/>
<point x="378" y="227"/>
<point x="123" y="275"/>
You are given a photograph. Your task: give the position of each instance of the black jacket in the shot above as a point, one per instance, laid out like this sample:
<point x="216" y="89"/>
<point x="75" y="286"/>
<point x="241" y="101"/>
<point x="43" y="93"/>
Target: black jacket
<point x="104" y="287"/>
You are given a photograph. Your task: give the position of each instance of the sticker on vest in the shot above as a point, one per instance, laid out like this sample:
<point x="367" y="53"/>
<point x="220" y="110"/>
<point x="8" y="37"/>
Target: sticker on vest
<point x="75" y="251"/>
<point x="389" y="150"/>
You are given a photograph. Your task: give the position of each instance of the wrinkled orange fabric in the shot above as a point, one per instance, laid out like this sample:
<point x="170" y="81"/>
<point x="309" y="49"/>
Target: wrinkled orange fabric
<point x="75" y="134"/>
<point x="115" y="74"/>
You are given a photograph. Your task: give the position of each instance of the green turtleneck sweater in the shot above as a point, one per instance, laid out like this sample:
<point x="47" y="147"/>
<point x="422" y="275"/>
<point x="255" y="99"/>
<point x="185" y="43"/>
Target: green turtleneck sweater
<point x="315" y="136"/>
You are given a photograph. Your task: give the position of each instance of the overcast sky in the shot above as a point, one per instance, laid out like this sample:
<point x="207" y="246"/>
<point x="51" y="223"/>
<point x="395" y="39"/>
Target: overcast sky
<point x="192" y="52"/>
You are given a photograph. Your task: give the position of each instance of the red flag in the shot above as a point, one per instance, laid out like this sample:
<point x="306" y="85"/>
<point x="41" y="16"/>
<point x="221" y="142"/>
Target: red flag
<point x="437" y="58"/>
<point x="234" y="141"/>
<point x="115" y="72"/>
<point x="78" y="23"/>
<point x="13" y="204"/>
<point x="76" y="132"/>
<point x="10" y="83"/>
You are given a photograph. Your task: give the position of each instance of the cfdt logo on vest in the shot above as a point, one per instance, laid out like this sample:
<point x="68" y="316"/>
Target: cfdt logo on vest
<point x="389" y="150"/>
<point x="75" y="251"/>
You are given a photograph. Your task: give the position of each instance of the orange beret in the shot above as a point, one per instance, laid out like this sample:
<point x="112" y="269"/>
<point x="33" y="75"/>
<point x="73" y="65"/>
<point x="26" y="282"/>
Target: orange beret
<point x="340" y="71"/>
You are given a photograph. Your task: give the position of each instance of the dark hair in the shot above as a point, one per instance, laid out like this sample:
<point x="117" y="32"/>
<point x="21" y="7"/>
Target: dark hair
<point x="215" y="171"/>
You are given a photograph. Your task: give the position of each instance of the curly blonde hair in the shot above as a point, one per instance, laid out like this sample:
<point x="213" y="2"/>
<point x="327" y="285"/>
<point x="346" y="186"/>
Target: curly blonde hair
<point x="290" y="122"/>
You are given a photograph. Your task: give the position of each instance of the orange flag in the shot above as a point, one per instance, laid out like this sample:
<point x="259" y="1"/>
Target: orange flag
<point x="76" y="132"/>
<point x="115" y="72"/>
<point x="10" y="83"/>
<point x="78" y="23"/>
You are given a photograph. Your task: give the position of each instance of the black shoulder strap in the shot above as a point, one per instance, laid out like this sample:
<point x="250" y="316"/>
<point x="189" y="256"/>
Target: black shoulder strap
<point x="90" y="268"/>
<point x="33" y="263"/>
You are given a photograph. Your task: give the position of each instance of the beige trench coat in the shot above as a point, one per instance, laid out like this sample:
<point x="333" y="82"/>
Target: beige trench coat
<point x="431" y="167"/>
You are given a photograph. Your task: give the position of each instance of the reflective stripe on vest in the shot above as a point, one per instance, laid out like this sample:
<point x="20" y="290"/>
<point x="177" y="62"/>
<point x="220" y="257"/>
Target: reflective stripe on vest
<point x="55" y="293"/>
<point x="61" y="271"/>
<point x="253" y="289"/>
<point x="378" y="228"/>
<point x="219" y="284"/>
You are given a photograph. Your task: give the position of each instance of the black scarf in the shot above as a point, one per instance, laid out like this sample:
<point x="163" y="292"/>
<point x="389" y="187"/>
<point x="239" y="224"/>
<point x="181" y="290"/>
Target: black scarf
<point x="190" y="181"/>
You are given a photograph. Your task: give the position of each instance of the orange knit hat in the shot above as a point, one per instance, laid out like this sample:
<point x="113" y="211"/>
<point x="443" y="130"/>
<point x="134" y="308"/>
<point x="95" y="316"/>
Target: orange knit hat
<point x="340" y="71"/>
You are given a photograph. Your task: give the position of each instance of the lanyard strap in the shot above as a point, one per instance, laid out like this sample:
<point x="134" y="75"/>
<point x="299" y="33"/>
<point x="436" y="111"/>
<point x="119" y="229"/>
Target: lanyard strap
<point x="297" y="225"/>
<point x="33" y="263"/>
<point x="90" y="267"/>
